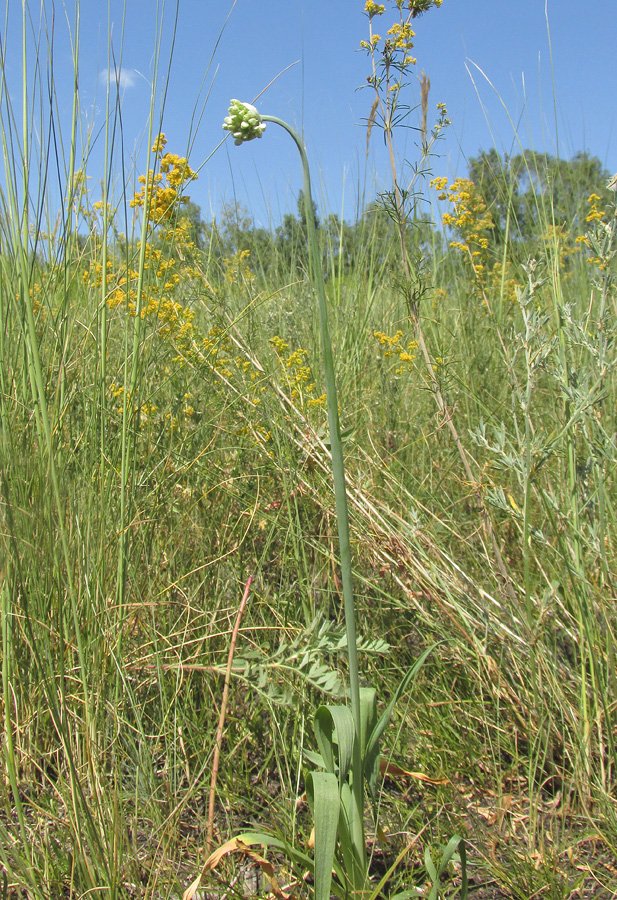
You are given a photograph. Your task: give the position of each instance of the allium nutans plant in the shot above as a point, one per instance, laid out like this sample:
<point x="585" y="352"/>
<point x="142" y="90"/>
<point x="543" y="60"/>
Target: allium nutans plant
<point x="348" y="737"/>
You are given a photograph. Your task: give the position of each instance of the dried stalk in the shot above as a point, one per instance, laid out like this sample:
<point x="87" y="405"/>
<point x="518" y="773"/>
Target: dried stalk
<point x="219" y="731"/>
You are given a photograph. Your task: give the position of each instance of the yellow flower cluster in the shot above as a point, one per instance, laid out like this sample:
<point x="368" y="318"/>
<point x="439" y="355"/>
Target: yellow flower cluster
<point x="237" y="270"/>
<point x="219" y="351"/>
<point x="175" y="322"/>
<point x="296" y="374"/>
<point x="217" y="348"/>
<point x="151" y="284"/>
<point x="390" y="343"/>
<point x="375" y="39"/>
<point x="414" y="7"/>
<point x="279" y="345"/>
<point x="400" y="37"/>
<point x="440" y="184"/>
<point x="392" y="346"/>
<point x="101" y="207"/>
<point x="469" y="215"/>
<point x="596" y="215"/>
<point x="93" y="275"/>
<point x="471" y="220"/>
<point x="165" y="266"/>
<point x="160" y="191"/>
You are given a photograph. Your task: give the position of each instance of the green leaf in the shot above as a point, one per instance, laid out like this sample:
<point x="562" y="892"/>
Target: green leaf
<point x="366" y="645"/>
<point x="368" y="714"/>
<point x="352" y="856"/>
<point x="429" y="865"/>
<point x="368" y="718"/>
<point x="315" y="758"/>
<point x="334" y="725"/>
<point x="322" y="790"/>
<point x="455" y="843"/>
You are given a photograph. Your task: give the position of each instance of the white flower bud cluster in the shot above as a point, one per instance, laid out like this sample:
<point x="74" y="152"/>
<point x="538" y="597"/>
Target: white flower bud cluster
<point x="244" y="122"/>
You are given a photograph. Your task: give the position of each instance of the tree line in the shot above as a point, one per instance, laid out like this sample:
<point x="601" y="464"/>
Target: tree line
<point x="523" y="193"/>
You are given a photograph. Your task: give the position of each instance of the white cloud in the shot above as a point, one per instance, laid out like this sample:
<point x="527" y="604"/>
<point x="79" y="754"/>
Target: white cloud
<point x="122" y="79"/>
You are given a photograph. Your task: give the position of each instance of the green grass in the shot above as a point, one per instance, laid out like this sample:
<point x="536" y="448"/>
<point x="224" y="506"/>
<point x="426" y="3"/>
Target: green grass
<point x="150" y="465"/>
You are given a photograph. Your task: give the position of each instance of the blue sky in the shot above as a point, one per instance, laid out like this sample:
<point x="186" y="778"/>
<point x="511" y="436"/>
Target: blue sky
<point x="489" y="61"/>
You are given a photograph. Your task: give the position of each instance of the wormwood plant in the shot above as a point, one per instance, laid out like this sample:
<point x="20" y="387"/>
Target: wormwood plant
<point x="348" y="737"/>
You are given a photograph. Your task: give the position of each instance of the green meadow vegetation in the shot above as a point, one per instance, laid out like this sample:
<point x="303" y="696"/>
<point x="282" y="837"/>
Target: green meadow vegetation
<point x="189" y="638"/>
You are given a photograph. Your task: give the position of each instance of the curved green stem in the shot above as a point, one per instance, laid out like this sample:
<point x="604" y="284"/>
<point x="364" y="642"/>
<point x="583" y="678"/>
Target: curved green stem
<point x="342" y="512"/>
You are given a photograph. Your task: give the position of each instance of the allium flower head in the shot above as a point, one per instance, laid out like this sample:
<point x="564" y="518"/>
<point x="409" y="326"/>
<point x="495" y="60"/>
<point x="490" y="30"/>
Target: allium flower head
<point x="244" y="122"/>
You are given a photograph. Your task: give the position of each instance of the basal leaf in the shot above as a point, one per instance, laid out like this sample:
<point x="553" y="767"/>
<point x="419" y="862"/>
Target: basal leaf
<point x="334" y="725"/>
<point x="322" y="790"/>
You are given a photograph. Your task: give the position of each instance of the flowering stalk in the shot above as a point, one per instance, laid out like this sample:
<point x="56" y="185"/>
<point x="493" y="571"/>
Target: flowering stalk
<point x="391" y="61"/>
<point x="245" y="124"/>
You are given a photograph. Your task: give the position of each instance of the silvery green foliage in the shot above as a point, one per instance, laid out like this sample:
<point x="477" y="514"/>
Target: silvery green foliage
<point x="244" y="122"/>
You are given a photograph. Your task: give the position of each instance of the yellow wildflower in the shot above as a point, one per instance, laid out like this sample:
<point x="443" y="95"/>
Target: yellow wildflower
<point x="159" y="144"/>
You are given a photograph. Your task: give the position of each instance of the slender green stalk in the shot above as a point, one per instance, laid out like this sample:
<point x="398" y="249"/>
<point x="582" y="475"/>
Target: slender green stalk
<point x="336" y="444"/>
<point x="342" y="511"/>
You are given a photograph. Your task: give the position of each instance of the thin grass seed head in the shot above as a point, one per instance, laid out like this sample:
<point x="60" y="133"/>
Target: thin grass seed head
<point x="244" y="122"/>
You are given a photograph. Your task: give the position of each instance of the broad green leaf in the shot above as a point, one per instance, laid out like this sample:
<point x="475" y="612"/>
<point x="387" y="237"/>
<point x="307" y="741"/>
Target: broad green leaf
<point x="335" y="725"/>
<point x="346" y="813"/>
<point x="322" y="791"/>
<point x="368" y="714"/>
<point x="315" y="758"/>
<point x="353" y="854"/>
<point x="368" y="718"/>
